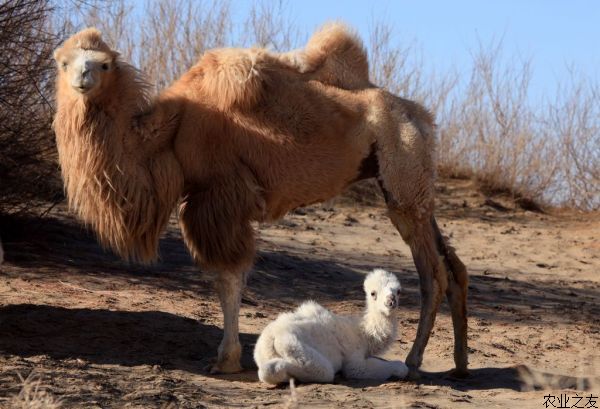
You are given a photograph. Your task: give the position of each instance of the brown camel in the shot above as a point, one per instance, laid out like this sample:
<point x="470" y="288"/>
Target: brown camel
<point x="246" y="135"/>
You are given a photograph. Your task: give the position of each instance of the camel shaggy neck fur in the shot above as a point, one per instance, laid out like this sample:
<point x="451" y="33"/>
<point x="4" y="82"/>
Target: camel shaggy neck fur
<point x="246" y="135"/>
<point x="312" y="344"/>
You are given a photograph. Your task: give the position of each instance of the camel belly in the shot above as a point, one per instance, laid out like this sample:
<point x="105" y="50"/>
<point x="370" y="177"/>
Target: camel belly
<point x="304" y="186"/>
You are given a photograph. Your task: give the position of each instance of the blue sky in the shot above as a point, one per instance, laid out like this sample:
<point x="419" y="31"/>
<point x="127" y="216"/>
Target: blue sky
<point x="553" y="33"/>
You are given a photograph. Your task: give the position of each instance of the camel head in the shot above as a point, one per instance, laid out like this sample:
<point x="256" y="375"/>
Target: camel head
<point x="383" y="291"/>
<point x="85" y="63"/>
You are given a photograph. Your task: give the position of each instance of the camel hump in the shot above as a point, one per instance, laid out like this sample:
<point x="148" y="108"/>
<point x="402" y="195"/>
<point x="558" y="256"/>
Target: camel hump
<point x="233" y="77"/>
<point x="334" y="55"/>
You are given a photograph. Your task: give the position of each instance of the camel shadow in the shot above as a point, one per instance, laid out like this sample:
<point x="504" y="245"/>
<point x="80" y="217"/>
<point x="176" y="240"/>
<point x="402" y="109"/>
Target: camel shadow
<point x="112" y="337"/>
<point x="518" y="378"/>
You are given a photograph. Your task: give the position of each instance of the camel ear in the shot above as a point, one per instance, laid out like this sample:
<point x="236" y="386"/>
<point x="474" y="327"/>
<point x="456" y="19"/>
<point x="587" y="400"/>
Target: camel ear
<point x="115" y="55"/>
<point x="56" y="53"/>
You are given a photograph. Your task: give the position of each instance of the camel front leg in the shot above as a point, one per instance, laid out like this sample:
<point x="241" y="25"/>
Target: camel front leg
<point x="229" y="287"/>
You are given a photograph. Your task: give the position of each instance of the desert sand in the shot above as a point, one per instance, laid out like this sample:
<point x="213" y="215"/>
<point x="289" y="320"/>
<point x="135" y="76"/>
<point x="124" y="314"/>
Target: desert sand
<point x="96" y="332"/>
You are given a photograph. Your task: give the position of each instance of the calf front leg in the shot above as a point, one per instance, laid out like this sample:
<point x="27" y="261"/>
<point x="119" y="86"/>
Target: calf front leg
<point x="229" y="286"/>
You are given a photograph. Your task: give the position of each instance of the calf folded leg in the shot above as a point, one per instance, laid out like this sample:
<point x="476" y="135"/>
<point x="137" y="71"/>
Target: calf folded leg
<point x="374" y="368"/>
<point x="298" y="360"/>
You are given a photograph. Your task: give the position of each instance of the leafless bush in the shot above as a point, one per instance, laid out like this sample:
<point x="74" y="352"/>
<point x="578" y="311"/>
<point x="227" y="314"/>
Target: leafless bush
<point x="267" y="25"/>
<point x="545" y="152"/>
<point x="489" y="126"/>
<point x="162" y="38"/>
<point x="574" y="120"/>
<point x="28" y="171"/>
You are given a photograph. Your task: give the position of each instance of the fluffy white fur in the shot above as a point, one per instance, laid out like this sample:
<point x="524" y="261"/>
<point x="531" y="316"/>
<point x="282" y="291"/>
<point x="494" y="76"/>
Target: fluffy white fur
<point x="312" y="344"/>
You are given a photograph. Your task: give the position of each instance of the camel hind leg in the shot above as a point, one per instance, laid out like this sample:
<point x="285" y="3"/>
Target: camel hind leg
<point x="457" y="299"/>
<point x="440" y="270"/>
<point x="433" y="280"/>
<point x="404" y="151"/>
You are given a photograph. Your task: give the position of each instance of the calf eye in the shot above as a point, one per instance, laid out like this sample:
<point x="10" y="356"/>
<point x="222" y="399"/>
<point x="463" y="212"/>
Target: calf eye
<point x="105" y="66"/>
<point x="373" y="294"/>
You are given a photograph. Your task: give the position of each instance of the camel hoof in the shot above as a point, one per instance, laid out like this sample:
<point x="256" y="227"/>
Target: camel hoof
<point x="225" y="368"/>
<point x="413" y="374"/>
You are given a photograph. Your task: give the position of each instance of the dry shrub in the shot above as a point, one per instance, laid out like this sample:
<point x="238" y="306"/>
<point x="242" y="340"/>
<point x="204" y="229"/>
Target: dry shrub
<point x="28" y="171"/>
<point x="538" y="152"/>
<point x="165" y="38"/>
<point x="269" y="26"/>
<point x="490" y="128"/>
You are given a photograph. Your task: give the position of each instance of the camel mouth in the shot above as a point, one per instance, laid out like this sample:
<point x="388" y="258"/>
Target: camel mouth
<point x="82" y="89"/>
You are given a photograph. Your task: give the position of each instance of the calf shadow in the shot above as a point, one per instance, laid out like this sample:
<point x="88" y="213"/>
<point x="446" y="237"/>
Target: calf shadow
<point x="111" y="337"/>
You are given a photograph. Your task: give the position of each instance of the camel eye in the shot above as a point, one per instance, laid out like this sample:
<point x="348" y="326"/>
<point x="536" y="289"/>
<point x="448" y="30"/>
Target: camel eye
<point x="373" y="294"/>
<point x="105" y="67"/>
<point x="64" y="65"/>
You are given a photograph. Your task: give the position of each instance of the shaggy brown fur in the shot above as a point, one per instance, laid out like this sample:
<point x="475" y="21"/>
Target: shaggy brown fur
<point x="246" y="135"/>
<point x="335" y="56"/>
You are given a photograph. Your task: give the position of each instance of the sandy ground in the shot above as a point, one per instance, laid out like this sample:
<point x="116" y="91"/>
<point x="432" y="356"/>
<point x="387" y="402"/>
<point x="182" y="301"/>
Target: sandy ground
<point x="96" y="332"/>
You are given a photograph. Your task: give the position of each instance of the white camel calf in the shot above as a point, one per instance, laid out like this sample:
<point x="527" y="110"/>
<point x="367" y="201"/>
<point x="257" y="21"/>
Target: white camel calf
<point x="311" y="344"/>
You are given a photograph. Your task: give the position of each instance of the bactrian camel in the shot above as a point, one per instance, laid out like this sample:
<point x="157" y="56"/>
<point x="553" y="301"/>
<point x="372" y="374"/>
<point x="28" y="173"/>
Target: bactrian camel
<point x="312" y="344"/>
<point x="247" y="135"/>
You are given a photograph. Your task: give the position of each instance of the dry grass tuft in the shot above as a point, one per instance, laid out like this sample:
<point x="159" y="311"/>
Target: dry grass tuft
<point x="292" y="400"/>
<point x="33" y="395"/>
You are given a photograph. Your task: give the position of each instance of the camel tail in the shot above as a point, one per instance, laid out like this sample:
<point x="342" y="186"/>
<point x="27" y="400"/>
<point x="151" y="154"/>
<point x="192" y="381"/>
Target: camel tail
<point x="456" y="269"/>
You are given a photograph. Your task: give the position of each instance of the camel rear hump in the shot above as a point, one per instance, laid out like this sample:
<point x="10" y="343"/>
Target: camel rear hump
<point x="335" y="56"/>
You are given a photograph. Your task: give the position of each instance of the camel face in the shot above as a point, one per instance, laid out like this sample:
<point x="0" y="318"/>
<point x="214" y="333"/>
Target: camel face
<point x="383" y="291"/>
<point x="85" y="63"/>
<point x="85" y="71"/>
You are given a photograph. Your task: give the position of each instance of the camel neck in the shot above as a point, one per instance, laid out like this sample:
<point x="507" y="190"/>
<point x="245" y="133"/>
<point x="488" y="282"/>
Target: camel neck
<point x="118" y="166"/>
<point x="378" y="329"/>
